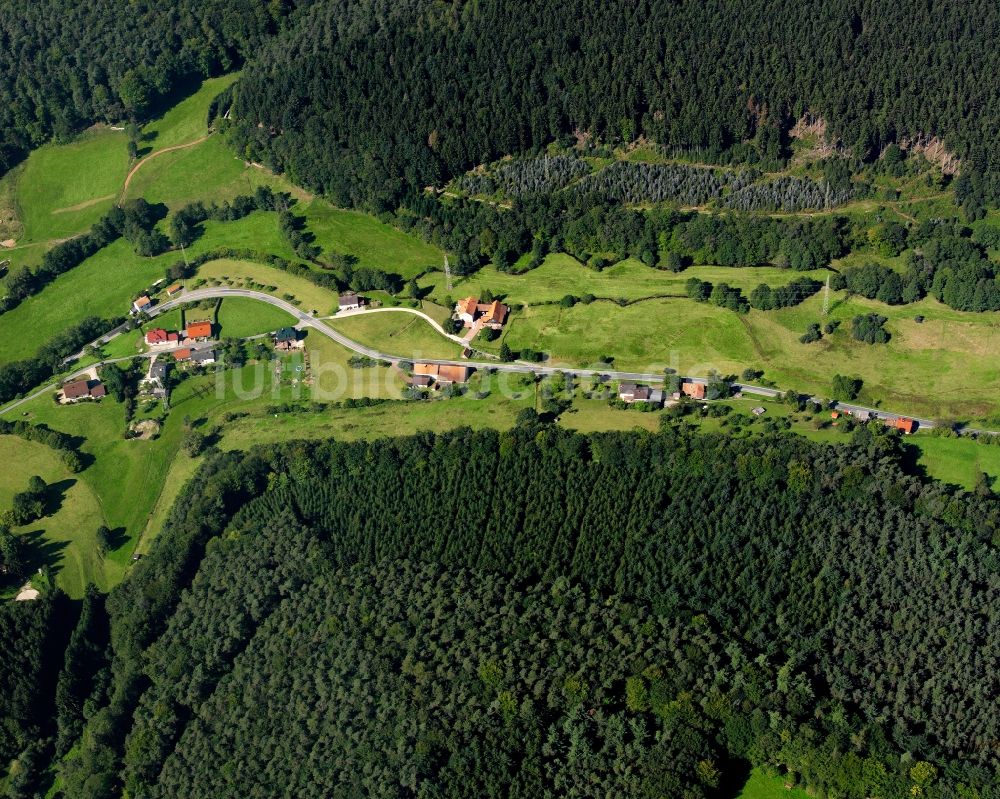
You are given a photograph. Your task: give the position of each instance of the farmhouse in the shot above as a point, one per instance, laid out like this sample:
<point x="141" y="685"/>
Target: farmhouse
<point x="287" y="339"/>
<point x="83" y="389"/>
<point x="203" y="357"/>
<point x="420" y="381"/>
<point x="485" y="314"/>
<point x="443" y="373"/>
<point x="142" y="304"/>
<point x="198" y="331"/>
<point x="349" y="302"/>
<point x="156" y="375"/>
<point x="158" y="337"/>
<point x="182" y="355"/>
<point x="907" y="426"/>
<point x="155" y="381"/>
<point x="630" y="392"/>
<point x="694" y="390"/>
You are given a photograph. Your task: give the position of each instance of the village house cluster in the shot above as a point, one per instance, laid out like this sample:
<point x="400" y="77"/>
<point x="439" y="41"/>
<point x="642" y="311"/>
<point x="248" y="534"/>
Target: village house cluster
<point x="195" y="332"/>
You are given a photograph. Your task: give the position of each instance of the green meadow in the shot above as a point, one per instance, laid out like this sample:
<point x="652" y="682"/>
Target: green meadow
<point x="62" y="189"/>
<point x="105" y="284"/>
<point x="188" y="120"/>
<point x="397" y="333"/>
<point x="240" y="317"/>
<point x="374" y="243"/>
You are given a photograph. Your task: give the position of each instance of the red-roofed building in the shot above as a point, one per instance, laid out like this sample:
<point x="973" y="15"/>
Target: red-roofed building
<point x="485" y="314"/>
<point x="694" y="390"/>
<point x="198" y="330"/>
<point x="182" y="355"/>
<point x="903" y="424"/>
<point x="142" y="304"/>
<point x="158" y="337"/>
<point x="493" y="315"/>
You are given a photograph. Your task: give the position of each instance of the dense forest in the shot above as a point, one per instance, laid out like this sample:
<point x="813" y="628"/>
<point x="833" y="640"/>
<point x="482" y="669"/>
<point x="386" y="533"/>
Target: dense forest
<point x="542" y="613"/>
<point x="67" y="64"/>
<point x="368" y="100"/>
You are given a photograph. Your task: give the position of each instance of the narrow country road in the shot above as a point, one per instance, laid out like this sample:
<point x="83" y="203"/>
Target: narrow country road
<point x="308" y="321"/>
<point x="363" y="311"/>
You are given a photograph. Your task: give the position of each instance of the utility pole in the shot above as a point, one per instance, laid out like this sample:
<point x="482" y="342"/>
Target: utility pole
<point x="447" y="272"/>
<point x="826" y="297"/>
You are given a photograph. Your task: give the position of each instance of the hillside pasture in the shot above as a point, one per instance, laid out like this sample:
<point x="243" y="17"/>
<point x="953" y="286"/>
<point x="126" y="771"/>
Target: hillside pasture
<point x="630" y="280"/>
<point x="374" y="243"/>
<point x="62" y="189"/>
<point x="65" y="538"/>
<point x="104" y="284"/>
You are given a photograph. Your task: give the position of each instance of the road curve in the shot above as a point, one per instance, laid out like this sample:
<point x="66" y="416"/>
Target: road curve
<point x="433" y="323"/>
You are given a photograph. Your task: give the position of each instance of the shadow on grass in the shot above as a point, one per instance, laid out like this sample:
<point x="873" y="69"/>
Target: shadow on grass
<point x="735" y="775"/>
<point x="54" y="494"/>
<point x="40" y="551"/>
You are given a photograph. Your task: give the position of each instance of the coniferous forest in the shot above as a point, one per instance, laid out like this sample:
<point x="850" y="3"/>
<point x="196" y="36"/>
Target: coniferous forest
<point x="367" y="100"/>
<point x="540" y="613"/>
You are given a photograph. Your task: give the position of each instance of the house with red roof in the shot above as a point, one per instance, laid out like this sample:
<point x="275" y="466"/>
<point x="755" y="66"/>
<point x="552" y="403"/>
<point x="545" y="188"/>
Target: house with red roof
<point x="158" y="337"/>
<point x="903" y="424"/>
<point x="693" y="390"/>
<point x="472" y="312"/>
<point x="198" y="331"/>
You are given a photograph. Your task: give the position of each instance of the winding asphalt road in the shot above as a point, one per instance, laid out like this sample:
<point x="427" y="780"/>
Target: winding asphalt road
<point x="309" y="321"/>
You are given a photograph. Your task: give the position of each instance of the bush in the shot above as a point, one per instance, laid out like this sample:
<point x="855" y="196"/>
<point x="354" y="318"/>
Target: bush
<point x="812" y="334"/>
<point x="868" y="328"/>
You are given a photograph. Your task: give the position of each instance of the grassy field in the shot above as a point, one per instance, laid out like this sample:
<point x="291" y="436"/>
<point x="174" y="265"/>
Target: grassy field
<point x="762" y="786"/>
<point x="103" y="285"/>
<point x="208" y="171"/>
<point x="958" y="461"/>
<point x="685" y="335"/>
<point x="246" y="274"/>
<point x="240" y="317"/>
<point x="65" y="536"/>
<point x="334" y="380"/>
<point x="561" y="274"/>
<point x="400" y="333"/>
<point x="940" y="367"/>
<point x="62" y="189"/>
<point x="186" y="121"/>
<point x="390" y="419"/>
<point x="372" y="242"/>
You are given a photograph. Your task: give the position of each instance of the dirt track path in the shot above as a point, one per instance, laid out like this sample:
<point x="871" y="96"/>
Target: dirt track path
<point x="150" y="157"/>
